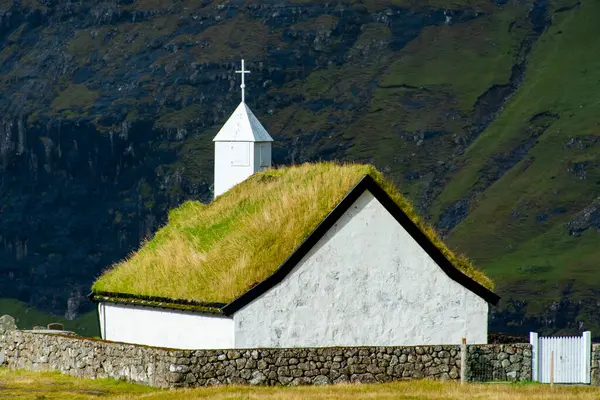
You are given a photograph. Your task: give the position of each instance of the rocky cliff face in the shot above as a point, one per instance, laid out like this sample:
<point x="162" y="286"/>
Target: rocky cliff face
<point x="109" y="108"/>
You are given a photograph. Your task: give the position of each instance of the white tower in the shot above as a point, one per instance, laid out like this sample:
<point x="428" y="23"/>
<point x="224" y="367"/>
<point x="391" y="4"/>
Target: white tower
<point x="242" y="146"/>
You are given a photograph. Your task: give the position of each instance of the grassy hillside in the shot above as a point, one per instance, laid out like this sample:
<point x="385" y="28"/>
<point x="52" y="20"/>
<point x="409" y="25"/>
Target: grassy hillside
<point x="531" y="222"/>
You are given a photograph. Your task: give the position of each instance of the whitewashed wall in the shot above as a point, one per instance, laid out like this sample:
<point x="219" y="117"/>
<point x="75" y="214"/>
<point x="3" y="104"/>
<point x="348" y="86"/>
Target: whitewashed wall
<point x="164" y="328"/>
<point x="366" y="282"/>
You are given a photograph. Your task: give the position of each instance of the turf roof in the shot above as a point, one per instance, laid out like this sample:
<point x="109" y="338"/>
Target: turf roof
<point x="216" y="252"/>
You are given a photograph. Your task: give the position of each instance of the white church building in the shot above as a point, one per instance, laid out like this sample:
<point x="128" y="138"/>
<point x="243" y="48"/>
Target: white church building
<point x="366" y="275"/>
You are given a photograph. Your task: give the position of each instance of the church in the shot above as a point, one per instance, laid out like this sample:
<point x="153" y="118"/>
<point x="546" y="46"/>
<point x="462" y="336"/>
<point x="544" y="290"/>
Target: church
<point x="311" y="255"/>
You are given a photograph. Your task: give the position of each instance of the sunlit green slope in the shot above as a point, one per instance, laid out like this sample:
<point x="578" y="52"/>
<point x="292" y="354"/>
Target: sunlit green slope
<point x="536" y="229"/>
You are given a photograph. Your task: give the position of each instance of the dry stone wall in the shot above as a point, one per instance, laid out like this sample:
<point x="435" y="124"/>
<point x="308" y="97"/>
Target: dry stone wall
<point x="297" y="366"/>
<point x="499" y="362"/>
<point x="595" y="370"/>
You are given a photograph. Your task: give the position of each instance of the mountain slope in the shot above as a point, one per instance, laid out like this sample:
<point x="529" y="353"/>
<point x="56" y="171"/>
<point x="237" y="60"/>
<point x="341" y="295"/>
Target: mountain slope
<point x="533" y="179"/>
<point x="478" y="110"/>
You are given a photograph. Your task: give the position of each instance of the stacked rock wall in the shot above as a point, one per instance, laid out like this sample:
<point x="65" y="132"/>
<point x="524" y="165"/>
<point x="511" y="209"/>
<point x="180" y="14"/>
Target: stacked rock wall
<point x="499" y="362"/>
<point x="185" y="368"/>
<point x="595" y="370"/>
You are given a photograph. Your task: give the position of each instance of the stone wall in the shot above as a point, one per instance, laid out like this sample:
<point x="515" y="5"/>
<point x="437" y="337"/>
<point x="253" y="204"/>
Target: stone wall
<point x="499" y="362"/>
<point x="183" y="368"/>
<point x="595" y="370"/>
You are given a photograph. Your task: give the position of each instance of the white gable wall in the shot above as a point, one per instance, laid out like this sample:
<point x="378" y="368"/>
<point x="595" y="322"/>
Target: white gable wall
<point x="366" y="282"/>
<point x="164" y="328"/>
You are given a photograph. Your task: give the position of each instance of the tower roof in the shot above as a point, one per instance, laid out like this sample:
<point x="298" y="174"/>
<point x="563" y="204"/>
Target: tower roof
<point x="243" y="126"/>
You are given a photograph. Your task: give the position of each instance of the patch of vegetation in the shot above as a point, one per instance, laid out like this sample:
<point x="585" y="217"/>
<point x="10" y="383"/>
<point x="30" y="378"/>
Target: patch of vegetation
<point x="438" y="60"/>
<point x="15" y="36"/>
<point x="179" y="118"/>
<point x="373" y="34"/>
<point x="377" y="5"/>
<point x="7" y="52"/>
<point x="116" y="43"/>
<point x="150" y="5"/>
<point x="222" y="41"/>
<point x="215" y="252"/>
<point x="84" y="42"/>
<point x="320" y="23"/>
<point x="56" y="386"/>
<point x="563" y="5"/>
<point x="27" y="317"/>
<point x="404" y="110"/>
<point x="75" y="96"/>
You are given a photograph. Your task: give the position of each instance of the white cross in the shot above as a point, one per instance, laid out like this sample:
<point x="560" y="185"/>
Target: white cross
<point x="243" y="85"/>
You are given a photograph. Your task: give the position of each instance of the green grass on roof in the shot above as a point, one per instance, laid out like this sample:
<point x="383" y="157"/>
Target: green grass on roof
<point x="215" y="252"/>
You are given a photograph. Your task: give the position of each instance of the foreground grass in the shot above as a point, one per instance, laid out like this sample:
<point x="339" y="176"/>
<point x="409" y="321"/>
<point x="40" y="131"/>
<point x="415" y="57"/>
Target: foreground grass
<point x="215" y="252"/>
<point x="52" y="385"/>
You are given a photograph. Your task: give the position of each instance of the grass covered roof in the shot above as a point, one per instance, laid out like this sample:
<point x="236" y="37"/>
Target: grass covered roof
<point x="216" y="252"/>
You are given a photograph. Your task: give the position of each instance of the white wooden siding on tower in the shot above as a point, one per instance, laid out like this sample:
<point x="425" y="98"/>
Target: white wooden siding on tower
<point x="240" y="154"/>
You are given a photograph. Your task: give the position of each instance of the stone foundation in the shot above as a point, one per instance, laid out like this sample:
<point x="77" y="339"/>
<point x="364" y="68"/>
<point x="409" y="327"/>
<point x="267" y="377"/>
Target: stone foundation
<point x="167" y="368"/>
<point x="595" y="370"/>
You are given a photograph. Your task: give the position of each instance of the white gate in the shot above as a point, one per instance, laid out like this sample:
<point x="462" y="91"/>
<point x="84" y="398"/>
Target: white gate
<point x="567" y="358"/>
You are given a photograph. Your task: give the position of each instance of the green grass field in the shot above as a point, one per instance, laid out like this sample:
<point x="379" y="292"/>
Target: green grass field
<point x="54" y="386"/>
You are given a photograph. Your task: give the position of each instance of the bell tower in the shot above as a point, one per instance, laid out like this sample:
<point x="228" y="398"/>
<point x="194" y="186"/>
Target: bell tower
<point x="242" y="146"/>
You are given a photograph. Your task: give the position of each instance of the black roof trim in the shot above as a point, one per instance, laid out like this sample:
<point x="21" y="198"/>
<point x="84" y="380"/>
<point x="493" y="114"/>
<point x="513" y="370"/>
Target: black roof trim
<point x="366" y="183"/>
